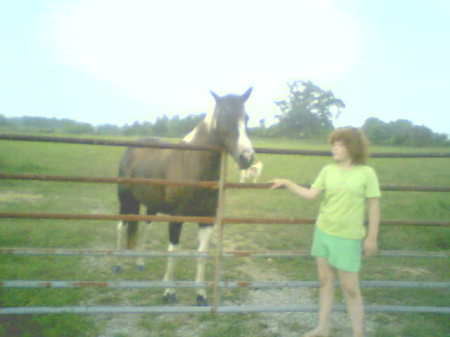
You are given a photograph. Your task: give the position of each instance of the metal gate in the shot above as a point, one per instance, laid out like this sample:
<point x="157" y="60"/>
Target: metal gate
<point x="217" y="284"/>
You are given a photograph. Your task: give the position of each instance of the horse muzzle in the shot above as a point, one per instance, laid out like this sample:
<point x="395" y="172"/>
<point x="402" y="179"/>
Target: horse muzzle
<point x="245" y="159"/>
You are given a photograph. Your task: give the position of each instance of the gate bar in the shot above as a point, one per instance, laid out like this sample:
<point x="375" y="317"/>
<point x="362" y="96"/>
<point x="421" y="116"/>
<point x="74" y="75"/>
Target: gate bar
<point x="164" y="145"/>
<point x="222" y="284"/>
<point x="127" y="217"/>
<point x="192" y="253"/>
<point x="220" y="309"/>
<point x="110" y="180"/>
<point x="91" y="141"/>
<point x="205" y="184"/>
<point x="230" y="221"/>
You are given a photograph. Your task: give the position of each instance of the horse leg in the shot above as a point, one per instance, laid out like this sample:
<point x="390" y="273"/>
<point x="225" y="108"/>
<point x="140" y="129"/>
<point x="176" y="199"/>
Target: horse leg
<point x="143" y="236"/>
<point x="204" y="238"/>
<point x="174" y="240"/>
<point x="128" y="205"/>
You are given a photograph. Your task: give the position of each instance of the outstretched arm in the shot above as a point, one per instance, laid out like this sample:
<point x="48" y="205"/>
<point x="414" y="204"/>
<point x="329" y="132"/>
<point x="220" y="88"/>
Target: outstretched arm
<point x="307" y="193"/>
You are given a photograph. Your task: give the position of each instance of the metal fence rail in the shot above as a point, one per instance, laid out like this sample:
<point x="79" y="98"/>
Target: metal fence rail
<point x="195" y="219"/>
<point x="107" y="142"/>
<point x="193" y="253"/>
<point x="222" y="284"/>
<point x="206" y="310"/>
<point x="204" y="184"/>
<point x="162" y="145"/>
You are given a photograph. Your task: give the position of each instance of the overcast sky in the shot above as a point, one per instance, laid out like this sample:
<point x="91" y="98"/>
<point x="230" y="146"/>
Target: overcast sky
<point x="106" y="61"/>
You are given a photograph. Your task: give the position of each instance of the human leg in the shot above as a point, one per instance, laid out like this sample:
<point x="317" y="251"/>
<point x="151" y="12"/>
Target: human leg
<point x="326" y="298"/>
<point x="352" y="293"/>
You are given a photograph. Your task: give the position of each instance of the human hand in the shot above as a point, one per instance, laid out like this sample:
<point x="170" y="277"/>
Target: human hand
<point x="370" y="247"/>
<point x="277" y="183"/>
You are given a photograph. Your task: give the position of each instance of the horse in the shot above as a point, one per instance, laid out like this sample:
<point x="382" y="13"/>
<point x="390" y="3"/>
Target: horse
<point x="224" y="127"/>
<point x="251" y="173"/>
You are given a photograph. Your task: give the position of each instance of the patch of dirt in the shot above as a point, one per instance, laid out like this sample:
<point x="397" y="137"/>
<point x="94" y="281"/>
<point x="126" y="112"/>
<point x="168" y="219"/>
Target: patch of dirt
<point x="123" y="325"/>
<point x="413" y="271"/>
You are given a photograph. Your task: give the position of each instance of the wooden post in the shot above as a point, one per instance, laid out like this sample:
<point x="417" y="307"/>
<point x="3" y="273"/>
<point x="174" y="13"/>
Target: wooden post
<point x="219" y="231"/>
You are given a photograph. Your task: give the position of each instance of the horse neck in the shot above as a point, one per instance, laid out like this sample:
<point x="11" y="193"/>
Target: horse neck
<point x="202" y="135"/>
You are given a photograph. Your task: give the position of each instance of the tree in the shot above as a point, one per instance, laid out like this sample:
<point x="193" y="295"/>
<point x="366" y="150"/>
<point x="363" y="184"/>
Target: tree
<point x="308" y="110"/>
<point x="376" y="130"/>
<point x="3" y="121"/>
<point x="161" y="126"/>
<point x="401" y="132"/>
<point x="108" y="129"/>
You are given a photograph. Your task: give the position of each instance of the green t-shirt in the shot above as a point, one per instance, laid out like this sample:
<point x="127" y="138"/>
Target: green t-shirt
<point x="343" y="206"/>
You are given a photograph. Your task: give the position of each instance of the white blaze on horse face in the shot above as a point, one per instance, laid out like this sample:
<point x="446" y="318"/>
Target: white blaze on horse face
<point x="245" y="147"/>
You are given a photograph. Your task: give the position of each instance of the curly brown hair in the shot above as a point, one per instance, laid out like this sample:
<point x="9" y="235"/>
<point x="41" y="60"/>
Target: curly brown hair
<point x="355" y="141"/>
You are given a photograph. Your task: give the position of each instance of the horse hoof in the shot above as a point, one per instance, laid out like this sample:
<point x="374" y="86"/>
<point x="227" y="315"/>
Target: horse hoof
<point x="116" y="269"/>
<point x="140" y="267"/>
<point x="170" y="298"/>
<point x="202" y="301"/>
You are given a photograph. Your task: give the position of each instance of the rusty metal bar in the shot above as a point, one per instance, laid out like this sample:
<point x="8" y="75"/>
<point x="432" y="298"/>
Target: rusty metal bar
<point x="126" y="217"/>
<point x="98" y="252"/>
<point x="187" y="253"/>
<point x="196" y="219"/>
<point x="299" y="221"/>
<point x="202" y="310"/>
<point x="222" y="284"/>
<point x="92" y="141"/>
<point x="426" y="223"/>
<point x="374" y="155"/>
<point x="205" y="184"/>
<point x="162" y="145"/>
<point x="114" y="180"/>
<point x="392" y="188"/>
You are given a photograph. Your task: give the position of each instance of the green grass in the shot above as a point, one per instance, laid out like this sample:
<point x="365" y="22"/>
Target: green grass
<point x="85" y="160"/>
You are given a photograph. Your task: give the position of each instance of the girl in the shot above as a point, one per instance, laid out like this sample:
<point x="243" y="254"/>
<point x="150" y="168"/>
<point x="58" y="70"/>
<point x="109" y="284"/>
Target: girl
<point x="340" y="232"/>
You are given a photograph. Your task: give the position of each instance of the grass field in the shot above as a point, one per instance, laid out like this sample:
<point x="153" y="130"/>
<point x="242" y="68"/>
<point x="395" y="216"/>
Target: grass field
<point x="85" y="160"/>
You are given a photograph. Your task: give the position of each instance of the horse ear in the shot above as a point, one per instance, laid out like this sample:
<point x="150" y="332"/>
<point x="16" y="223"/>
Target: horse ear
<point x="246" y="94"/>
<point x="216" y="97"/>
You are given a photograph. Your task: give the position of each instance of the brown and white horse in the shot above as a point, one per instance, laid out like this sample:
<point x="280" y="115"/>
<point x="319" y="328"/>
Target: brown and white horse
<point x="224" y="127"/>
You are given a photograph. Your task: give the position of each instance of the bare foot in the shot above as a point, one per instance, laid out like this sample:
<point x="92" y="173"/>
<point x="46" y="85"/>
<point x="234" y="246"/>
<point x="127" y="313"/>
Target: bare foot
<point x="317" y="332"/>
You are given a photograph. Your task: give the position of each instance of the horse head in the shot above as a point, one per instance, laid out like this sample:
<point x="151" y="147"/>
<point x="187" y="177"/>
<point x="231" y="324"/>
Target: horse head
<point x="231" y="127"/>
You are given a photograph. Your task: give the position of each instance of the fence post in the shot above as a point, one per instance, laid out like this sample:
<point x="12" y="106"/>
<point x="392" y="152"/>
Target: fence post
<point x="219" y="231"/>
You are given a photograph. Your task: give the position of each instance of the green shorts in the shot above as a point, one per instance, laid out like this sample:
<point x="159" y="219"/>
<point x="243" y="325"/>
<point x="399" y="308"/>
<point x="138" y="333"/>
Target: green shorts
<point x="343" y="254"/>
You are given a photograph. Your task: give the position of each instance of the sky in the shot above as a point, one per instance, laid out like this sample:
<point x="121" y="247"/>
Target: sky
<point x="116" y="62"/>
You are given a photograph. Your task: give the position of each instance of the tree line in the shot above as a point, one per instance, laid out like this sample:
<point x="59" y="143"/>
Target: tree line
<point x="162" y="127"/>
<point x="308" y="112"/>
